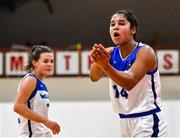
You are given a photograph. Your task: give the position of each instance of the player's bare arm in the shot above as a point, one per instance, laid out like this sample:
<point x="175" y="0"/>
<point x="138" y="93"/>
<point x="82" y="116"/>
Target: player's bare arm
<point x="145" y="62"/>
<point x="20" y="105"/>
<point x="21" y="108"/>
<point x="96" y="72"/>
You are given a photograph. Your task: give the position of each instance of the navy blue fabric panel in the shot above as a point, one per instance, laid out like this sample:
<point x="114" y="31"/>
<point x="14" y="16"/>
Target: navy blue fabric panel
<point x="155" y="126"/>
<point x="140" y="114"/>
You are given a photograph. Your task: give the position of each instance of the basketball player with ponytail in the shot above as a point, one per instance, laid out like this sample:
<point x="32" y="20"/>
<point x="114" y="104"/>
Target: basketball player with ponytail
<point x="32" y="101"/>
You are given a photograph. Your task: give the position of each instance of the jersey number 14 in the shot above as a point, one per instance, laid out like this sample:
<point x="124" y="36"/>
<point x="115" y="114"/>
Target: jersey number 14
<point x="123" y="92"/>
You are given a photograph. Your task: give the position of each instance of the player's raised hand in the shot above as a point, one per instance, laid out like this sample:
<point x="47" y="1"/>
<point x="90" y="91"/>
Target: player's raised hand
<point x="94" y="54"/>
<point x="100" y="55"/>
<point x="102" y="48"/>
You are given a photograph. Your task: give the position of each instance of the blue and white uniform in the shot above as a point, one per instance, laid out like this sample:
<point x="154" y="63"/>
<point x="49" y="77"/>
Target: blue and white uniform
<point x="139" y="109"/>
<point x="38" y="102"/>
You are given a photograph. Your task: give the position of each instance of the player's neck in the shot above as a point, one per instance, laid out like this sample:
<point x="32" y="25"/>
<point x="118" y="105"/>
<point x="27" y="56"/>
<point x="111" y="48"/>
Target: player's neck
<point x="38" y="75"/>
<point x="127" y="48"/>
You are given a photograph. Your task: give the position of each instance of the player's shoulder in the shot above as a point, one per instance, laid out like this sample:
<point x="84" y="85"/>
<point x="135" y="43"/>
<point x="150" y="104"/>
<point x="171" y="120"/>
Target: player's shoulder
<point x="27" y="84"/>
<point x="147" y="54"/>
<point x="110" y="49"/>
<point x="146" y="49"/>
<point x="145" y="46"/>
<point x="29" y="79"/>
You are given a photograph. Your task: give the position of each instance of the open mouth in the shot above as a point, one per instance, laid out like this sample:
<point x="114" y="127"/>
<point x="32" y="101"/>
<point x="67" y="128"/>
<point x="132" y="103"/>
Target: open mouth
<point x="116" y="34"/>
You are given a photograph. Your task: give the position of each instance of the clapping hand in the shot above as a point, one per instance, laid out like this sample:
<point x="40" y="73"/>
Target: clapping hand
<point x="100" y="55"/>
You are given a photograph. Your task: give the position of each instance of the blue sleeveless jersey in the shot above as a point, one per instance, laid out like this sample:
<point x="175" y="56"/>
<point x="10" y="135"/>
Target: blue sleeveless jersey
<point x="38" y="102"/>
<point x="144" y="98"/>
<point x="121" y="64"/>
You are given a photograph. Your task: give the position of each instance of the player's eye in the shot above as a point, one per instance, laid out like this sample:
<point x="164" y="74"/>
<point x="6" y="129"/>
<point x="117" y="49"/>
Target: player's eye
<point x="112" y="24"/>
<point x="45" y="61"/>
<point x="121" y="23"/>
<point x="52" y="61"/>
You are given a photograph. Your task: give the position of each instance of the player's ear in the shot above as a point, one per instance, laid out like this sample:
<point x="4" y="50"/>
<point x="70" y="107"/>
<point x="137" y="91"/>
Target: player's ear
<point x="133" y="30"/>
<point x="34" y="63"/>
